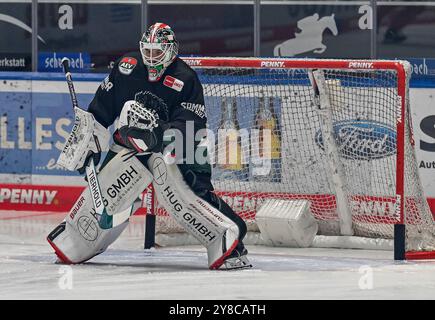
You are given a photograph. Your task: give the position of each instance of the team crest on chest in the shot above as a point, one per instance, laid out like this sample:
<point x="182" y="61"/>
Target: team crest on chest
<point x="173" y="83"/>
<point x="127" y="65"/>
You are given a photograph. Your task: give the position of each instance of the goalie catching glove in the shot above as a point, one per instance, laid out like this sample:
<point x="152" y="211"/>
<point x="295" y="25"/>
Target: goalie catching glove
<point x="86" y="140"/>
<point x="142" y="123"/>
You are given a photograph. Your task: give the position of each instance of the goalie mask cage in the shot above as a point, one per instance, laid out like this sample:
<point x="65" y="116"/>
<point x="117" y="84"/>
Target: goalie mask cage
<point x="340" y="135"/>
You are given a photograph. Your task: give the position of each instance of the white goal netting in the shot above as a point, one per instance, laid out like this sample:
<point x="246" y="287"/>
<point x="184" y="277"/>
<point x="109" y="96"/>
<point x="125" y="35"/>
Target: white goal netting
<point x="276" y="144"/>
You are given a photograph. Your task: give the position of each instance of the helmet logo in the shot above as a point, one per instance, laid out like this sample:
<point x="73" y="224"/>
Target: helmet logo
<point x="154" y="74"/>
<point x="127" y="65"/>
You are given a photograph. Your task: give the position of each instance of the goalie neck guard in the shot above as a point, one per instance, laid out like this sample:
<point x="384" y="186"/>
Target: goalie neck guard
<point x="159" y="48"/>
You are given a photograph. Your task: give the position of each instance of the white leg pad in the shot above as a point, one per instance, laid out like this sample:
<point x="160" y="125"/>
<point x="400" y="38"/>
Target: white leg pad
<point x="79" y="237"/>
<point x="208" y="225"/>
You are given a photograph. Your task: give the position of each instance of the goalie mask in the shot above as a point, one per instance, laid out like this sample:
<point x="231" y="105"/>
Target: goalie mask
<point x="159" y="48"/>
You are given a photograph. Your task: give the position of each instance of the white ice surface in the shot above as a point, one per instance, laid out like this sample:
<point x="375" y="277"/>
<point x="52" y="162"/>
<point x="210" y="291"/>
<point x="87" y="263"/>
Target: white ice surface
<point x="126" y="271"/>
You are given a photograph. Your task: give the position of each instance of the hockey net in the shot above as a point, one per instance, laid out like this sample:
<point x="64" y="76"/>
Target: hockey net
<point x="358" y="110"/>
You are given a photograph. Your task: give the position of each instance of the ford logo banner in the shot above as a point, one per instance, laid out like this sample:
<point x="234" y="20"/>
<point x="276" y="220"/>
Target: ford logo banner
<point x="362" y="139"/>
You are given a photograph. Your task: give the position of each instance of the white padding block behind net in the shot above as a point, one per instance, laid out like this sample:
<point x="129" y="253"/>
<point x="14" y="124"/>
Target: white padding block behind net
<point x="287" y="223"/>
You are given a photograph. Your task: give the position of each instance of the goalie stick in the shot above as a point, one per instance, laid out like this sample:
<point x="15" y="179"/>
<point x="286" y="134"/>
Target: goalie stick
<point x="104" y="220"/>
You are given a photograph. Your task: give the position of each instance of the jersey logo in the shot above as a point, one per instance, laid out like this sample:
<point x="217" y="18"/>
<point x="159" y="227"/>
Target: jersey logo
<point x="197" y="108"/>
<point x="127" y="65"/>
<point x="173" y="83"/>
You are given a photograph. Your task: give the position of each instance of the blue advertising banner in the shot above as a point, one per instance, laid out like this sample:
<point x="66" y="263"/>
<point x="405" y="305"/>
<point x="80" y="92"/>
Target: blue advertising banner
<point x="52" y="61"/>
<point x="35" y="120"/>
<point x="52" y="118"/>
<point x="36" y="126"/>
<point x="423" y="72"/>
<point x="16" y="132"/>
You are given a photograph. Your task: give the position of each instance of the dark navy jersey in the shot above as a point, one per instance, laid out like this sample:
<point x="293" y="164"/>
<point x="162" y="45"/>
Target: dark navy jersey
<point x="179" y="87"/>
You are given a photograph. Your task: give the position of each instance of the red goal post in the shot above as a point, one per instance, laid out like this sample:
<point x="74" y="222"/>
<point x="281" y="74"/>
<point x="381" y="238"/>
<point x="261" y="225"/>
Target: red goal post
<point x="372" y="128"/>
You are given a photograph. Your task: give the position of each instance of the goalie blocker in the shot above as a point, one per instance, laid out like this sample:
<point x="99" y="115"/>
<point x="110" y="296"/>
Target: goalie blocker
<point x="79" y="237"/>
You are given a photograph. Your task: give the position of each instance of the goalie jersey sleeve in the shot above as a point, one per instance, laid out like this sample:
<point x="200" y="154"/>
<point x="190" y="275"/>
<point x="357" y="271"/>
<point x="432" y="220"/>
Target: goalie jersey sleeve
<point x="103" y="105"/>
<point x="190" y="109"/>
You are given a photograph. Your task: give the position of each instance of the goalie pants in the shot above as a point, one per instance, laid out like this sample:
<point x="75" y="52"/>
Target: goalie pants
<point x="200" y="183"/>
